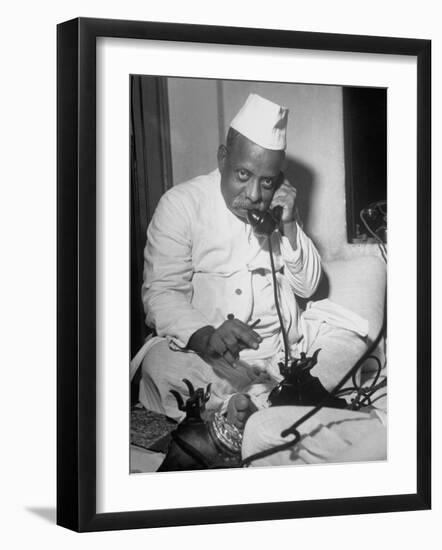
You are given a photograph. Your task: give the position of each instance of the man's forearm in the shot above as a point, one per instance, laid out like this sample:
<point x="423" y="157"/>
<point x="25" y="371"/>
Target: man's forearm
<point x="172" y="315"/>
<point x="302" y="261"/>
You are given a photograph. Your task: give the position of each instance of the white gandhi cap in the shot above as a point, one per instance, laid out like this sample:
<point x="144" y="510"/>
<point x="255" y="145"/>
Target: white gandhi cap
<point x="263" y="122"/>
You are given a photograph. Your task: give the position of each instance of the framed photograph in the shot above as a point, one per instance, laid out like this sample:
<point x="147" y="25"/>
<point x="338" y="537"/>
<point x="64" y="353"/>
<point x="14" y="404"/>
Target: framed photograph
<point x="226" y="269"/>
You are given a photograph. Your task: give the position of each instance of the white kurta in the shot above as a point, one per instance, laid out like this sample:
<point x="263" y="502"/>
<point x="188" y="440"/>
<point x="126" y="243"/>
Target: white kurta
<point x="202" y="263"/>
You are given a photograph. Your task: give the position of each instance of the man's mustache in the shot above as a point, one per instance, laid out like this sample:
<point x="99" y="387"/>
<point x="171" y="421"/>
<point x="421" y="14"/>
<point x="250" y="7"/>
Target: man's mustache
<point x="246" y="205"/>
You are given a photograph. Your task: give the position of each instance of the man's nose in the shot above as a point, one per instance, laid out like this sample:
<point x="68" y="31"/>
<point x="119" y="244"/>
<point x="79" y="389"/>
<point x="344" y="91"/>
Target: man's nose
<point x="253" y="191"/>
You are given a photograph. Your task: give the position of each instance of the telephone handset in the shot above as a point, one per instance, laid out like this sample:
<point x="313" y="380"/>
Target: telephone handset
<point x="264" y="223"/>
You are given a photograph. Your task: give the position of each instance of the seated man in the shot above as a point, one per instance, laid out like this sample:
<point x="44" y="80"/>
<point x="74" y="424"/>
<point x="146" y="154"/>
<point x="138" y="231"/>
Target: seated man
<point x="208" y="289"/>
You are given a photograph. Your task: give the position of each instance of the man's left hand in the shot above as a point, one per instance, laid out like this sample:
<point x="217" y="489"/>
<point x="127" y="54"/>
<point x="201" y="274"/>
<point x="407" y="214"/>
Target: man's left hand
<point x="285" y="196"/>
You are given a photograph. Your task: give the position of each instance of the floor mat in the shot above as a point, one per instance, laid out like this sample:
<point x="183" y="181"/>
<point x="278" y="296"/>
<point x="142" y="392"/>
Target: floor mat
<point x="149" y="429"/>
<point x="149" y="439"/>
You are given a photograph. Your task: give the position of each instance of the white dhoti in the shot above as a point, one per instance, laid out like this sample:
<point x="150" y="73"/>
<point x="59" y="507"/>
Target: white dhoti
<point x="163" y="369"/>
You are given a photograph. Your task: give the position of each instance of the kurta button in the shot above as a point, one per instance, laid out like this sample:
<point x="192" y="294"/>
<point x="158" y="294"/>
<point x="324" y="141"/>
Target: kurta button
<point x="238" y="291"/>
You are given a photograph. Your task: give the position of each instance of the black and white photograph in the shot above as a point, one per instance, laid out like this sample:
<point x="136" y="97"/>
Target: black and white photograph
<point x="258" y="272"/>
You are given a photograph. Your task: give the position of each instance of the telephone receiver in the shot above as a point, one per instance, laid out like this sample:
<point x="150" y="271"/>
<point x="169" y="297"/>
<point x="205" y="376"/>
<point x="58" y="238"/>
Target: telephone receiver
<point x="264" y="223"/>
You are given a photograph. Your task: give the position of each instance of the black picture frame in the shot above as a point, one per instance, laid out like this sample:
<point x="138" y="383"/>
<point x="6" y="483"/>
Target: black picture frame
<point x="76" y="273"/>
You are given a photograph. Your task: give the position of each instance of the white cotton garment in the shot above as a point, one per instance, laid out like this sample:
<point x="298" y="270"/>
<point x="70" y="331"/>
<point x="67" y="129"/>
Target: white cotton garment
<point x="202" y="263"/>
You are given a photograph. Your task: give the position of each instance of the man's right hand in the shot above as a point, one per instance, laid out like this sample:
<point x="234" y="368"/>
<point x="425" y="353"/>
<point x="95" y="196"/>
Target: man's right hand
<point x="225" y="341"/>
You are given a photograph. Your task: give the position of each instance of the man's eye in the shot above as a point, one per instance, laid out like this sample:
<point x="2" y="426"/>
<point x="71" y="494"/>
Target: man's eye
<point x="267" y="182"/>
<point x="243" y="175"/>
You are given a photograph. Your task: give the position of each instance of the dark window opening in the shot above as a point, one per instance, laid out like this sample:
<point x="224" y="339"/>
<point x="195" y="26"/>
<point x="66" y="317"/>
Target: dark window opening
<point x="365" y="141"/>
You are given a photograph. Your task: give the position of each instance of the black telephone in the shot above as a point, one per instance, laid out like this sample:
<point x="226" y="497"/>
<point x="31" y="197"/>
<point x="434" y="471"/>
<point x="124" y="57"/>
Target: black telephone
<point x="264" y="223"/>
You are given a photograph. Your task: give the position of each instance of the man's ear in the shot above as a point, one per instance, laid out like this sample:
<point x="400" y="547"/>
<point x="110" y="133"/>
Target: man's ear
<point x="222" y="157"/>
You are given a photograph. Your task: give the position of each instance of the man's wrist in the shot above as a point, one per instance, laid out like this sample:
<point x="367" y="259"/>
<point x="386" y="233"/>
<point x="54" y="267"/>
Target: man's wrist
<point x="199" y="340"/>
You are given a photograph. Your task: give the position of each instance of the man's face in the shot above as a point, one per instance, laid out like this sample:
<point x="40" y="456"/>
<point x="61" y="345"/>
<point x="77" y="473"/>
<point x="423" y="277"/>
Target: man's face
<point x="250" y="175"/>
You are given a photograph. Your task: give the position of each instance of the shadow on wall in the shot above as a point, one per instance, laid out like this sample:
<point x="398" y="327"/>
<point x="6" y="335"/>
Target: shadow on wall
<point x="302" y="178"/>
